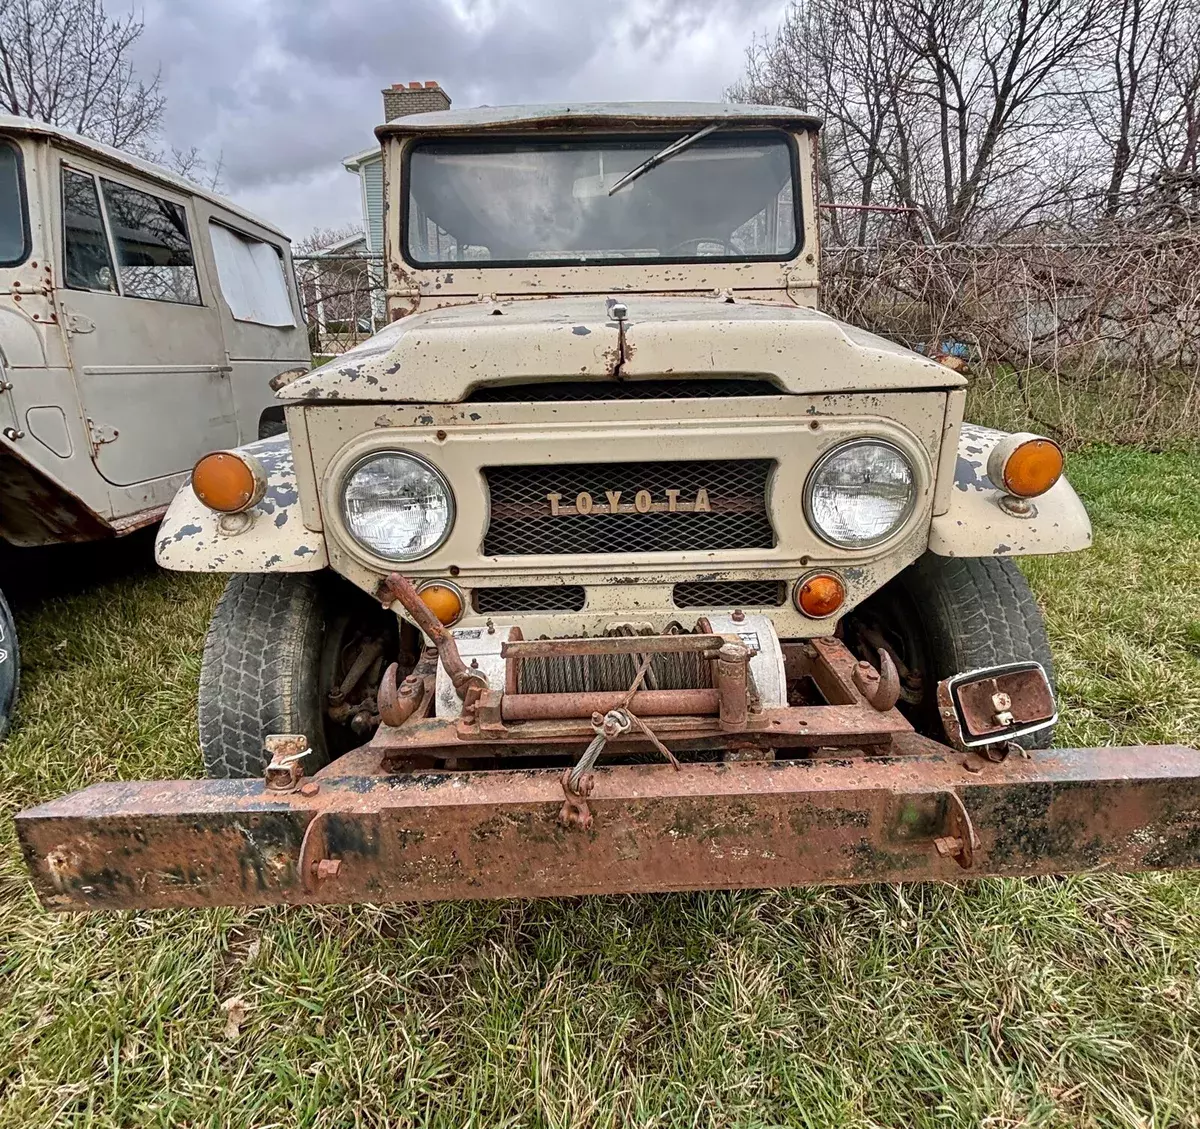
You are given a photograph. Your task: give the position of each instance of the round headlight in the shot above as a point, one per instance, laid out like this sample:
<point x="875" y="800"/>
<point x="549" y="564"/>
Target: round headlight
<point x="397" y="506"/>
<point x="860" y="493"/>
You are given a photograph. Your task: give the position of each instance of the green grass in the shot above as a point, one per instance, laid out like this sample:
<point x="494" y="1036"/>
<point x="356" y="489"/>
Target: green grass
<point x="1158" y="411"/>
<point x="1001" y="1003"/>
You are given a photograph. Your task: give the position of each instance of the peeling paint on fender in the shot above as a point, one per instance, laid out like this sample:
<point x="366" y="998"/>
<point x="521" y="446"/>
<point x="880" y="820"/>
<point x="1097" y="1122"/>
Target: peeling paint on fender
<point x="976" y="526"/>
<point x="190" y="538"/>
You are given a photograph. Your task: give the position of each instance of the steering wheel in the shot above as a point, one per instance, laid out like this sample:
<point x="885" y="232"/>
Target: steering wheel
<point x="728" y="247"/>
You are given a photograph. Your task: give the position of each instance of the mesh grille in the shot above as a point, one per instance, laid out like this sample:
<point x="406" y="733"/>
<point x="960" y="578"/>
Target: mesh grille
<point x="536" y="598"/>
<point x="522" y="522"/>
<point x="730" y="594"/>
<point x="582" y="390"/>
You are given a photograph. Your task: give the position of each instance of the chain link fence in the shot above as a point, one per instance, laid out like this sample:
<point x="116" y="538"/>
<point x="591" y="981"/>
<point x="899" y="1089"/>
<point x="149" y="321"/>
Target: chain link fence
<point x="344" y="299"/>
<point x="1095" y="339"/>
<point x="1107" y="329"/>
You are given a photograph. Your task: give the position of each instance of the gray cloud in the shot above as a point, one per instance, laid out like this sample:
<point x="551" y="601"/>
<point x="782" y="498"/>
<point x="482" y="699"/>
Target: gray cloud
<point x="284" y="89"/>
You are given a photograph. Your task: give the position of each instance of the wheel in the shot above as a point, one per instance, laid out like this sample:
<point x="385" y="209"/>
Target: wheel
<point x="945" y="615"/>
<point x="291" y="653"/>
<point x="10" y="666"/>
<point x="271" y="423"/>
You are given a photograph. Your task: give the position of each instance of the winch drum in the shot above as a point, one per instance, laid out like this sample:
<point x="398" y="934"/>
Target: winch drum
<point x="481" y="647"/>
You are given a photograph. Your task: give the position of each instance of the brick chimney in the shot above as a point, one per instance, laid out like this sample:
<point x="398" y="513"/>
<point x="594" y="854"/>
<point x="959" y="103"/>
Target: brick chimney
<point x="401" y="99"/>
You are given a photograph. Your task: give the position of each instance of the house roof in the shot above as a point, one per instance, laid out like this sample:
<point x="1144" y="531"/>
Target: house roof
<point x="636" y="114"/>
<point x="340" y="247"/>
<point x="358" y="159"/>
<point x="29" y="127"/>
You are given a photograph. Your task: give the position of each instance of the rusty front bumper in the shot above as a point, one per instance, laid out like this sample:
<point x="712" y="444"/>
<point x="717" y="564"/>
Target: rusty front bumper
<point x="927" y="814"/>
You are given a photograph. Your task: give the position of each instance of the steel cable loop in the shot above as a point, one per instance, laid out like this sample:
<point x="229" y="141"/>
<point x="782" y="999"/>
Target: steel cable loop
<point x="615" y="724"/>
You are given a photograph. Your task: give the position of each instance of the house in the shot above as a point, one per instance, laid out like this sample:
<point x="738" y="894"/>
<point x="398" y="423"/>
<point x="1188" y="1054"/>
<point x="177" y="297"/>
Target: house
<point x="343" y="288"/>
<point x="399" y="101"/>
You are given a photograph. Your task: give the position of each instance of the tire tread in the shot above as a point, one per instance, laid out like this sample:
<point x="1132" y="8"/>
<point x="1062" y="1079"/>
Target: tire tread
<point x="262" y="645"/>
<point x="980" y="611"/>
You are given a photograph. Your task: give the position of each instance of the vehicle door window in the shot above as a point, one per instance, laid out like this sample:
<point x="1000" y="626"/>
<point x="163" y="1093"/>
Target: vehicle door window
<point x="251" y="276"/>
<point x="150" y="238"/>
<point x="14" y="219"/>
<point x="85" y="243"/>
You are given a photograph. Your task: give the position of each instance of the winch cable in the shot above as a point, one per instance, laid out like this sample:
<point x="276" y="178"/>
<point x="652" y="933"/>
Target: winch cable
<point x="574" y="674"/>
<point x="616" y="723"/>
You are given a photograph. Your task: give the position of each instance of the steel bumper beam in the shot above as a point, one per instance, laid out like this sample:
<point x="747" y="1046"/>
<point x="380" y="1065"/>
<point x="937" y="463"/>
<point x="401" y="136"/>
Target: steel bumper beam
<point x="497" y="834"/>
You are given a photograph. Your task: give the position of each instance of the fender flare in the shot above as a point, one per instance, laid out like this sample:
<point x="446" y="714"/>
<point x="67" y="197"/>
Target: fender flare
<point x="974" y="525"/>
<point x="191" y="539"/>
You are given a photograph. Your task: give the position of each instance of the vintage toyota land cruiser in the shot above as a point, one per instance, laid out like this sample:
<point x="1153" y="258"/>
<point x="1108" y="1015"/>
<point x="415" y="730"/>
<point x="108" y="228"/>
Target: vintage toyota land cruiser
<point x="613" y="564"/>
<point x="142" y="320"/>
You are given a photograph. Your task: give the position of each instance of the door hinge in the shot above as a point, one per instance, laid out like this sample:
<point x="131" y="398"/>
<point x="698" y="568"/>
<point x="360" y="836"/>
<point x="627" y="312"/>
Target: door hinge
<point x="99" y="434"/>
<point x="77" y="323"/>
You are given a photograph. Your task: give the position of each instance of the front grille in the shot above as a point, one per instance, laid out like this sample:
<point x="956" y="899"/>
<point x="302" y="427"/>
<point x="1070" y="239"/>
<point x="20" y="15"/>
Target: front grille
<point x="730" y="594"/>
<point x="662" y="508"/>
<point x="530" y="598"/>
<point x="567" y="391"/>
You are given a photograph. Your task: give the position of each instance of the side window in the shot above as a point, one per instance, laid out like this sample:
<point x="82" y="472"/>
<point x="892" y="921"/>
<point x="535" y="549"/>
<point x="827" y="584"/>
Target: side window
<point x="150" y="238"/>
<point x="88" y="262"/>
<point x="14" y="220"/>
<point x="251" y="276"/>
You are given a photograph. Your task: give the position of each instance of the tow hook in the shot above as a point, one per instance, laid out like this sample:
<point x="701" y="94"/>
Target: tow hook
<point x="880" y="687"/>
<point x="284" y="770"/>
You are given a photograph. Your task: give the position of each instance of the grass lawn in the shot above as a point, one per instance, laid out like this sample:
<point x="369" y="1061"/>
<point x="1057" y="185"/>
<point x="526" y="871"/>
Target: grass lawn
<point x="999" y="1003"/>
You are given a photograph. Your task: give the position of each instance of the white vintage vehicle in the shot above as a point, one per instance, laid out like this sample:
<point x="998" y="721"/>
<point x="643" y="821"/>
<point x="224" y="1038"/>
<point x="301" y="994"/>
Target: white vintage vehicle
<point x="610" y="489"/>
<point x="142" y="320"/>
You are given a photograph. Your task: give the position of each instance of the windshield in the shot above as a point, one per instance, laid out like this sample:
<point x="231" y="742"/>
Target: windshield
<point x="14" y="224"/>
<point x="727" y="197"/>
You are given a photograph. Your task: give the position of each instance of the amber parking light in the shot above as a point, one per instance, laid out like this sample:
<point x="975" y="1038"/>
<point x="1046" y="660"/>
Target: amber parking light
<point x="443" y="599"/>
<point x="229" y="482"/>
<point x="1025" y="465"/>
<point x="819" y="595"/>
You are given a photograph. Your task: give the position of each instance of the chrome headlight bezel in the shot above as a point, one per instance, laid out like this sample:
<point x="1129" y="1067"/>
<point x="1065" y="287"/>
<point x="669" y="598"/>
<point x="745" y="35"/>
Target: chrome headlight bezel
<point x="395" y="453"/>
<point x="841" y="448"/>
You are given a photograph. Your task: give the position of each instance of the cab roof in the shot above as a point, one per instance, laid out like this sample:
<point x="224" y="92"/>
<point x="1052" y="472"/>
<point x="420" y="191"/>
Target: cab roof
<point x="30" y="127"/>
<point x="636" y="115"/>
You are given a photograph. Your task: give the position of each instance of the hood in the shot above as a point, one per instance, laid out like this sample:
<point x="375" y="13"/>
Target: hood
<point x="441" y="356"/>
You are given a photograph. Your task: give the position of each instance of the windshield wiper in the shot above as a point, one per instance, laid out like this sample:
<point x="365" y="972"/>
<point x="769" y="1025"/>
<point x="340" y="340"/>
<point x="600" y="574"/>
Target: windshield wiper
<point x="665" y="155"/>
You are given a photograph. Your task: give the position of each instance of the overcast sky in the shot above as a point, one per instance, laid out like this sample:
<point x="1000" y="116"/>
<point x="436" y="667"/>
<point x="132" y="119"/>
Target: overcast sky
<point x="284" y="89"/>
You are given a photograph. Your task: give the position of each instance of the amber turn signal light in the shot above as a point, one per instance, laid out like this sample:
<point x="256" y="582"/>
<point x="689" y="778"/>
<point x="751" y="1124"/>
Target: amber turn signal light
<point x="819" y="595"/>
<point x="1025" y="465"/>
<point x="444" y="600"/>
<point x="229" y="481"/>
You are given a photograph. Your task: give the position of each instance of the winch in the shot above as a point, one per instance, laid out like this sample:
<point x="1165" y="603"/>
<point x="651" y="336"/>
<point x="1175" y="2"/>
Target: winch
<point x="482" y="649"/>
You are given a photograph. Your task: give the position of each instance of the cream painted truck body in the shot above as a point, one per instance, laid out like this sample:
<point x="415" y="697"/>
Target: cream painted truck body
<point x="142" y="320"/>
<point x="466" y="377"/>
<point x="612" y="635"/>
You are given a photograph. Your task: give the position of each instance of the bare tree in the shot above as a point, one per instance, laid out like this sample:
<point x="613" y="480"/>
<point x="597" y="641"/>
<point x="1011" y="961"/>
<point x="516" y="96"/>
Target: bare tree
<point x="847" y="64"/>
<point x="193" y="165"/>
<point x="957" y="109"/>
<point x="322" y="238"/>
<point x="69" y="63"/>
<point x="1168" y="187"/>
<point x="1144" y="116"/>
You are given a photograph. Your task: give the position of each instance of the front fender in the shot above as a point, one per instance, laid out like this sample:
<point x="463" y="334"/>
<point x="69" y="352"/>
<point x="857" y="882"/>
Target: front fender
<point x="191" y="539"/>
<point x="976" y="526"/>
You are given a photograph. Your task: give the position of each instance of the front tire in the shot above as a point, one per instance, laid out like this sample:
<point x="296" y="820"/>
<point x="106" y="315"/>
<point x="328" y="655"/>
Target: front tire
<point x="945" y="615"/>
<point x="10" y="666"/>
<point x="260" y="673"/>
<point x="277" y="646"/>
